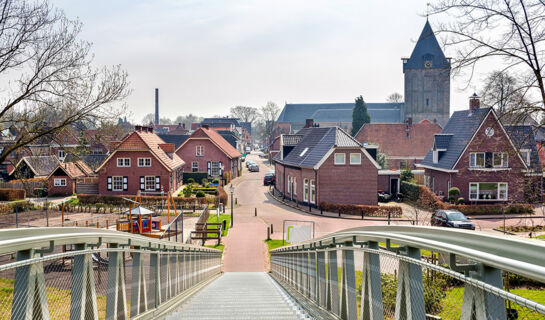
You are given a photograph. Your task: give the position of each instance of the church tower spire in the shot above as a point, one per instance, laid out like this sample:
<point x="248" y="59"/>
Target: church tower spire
<point x="427" y="80"/>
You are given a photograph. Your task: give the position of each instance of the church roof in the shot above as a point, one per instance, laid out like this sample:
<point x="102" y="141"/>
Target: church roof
<point x="427" y="49"/>
<point x="338" y="112"/>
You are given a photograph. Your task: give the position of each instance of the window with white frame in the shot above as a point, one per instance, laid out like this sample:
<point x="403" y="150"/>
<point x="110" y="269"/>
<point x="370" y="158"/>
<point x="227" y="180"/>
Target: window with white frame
<point x="525" y="153"/>
<point x="500" y="160"/>
<point x="340" y="158"/>
<point x="60" y="182"/>
<point x="123" y="162"/>
<point x="194" y="166"/>
<point x="289" y="184"/>
<point x="305" y="190"/>
<point x="312" y="192"/>
<point x="149" y="183"/>
<point x="355" y="158"/>
<point x="294" y="186"/>
<point x="427" y="180"/>
<point x="215" y="169"/>
<point x="477" y="159"/>
<point x="199" y="151"/>
<point x="488" y="191"/>
<point x="117" y="183"/>
<point x="61" y="155"/>
<point x="144" y="162"/>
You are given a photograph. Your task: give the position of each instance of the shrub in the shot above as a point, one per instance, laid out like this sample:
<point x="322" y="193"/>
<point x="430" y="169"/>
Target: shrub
<point x="207" y="190"/>
<point x="493" y="209"/>
<point x="191" y="180"/>
<point x="204" y="181"/>
<point x="7" y="194"/>
<point x="410" y="190"/>
<point x="451" y="199"/>
<point x="196" y="176"/>
<point x="222" y="195"/>
<point x="407" y="175"/>
<point x="188" y="191"/>
<point x="355" y="209"/>
<point x="461" y="200"/>
<point x="428" y="199"/>
<point x="93" y="199"/>
<point x="453" y="192"/>
<point x="200" y="194"/>
<point x="215" y="181"/>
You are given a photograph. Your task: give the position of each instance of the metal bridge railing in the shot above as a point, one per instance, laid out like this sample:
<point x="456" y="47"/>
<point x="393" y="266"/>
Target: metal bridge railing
<point x="87" y="273"/>
<point x="406" y="272"/>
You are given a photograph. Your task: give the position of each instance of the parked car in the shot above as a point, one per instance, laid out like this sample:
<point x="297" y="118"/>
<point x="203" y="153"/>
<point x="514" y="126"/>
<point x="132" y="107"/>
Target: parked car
<point x="269" y="179"/>
<point x="451" y="219"/>
<point x="384" y="196"/>
<point x="248" y="163"/>
<point x="253" y="168"/>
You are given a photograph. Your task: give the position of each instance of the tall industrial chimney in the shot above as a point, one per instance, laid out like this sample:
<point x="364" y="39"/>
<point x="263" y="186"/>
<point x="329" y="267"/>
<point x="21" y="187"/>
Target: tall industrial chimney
<point x="156" y="106"/>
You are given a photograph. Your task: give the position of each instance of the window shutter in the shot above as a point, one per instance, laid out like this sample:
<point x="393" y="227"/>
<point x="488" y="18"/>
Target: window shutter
<point x="157" y="183"/>
<point x="125" y="183"/>
<point x="221" y="169"/>
<point x="209" y="168"/>
<point x="109" y="183"/>
<point x="142" y="186"/>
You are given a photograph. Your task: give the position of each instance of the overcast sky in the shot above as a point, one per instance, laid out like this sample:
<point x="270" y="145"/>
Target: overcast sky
<point x="207" y="56"/>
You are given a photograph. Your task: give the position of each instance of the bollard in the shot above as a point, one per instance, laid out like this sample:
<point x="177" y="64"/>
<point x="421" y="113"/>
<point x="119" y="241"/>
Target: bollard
<point x="107" y="227"/>
<point x="86" y="223"/>
<point x="255" y="212"/>
<point x="98" y="225"/>
<point x="321" y="211"/>
<point x="388" y="218"/>
<point x="339" y="213"/>
<point x="362" y="215"/>
<point x="268" y="233"/>
<point x="272" y="229"/>
<point x="236" y="200"/>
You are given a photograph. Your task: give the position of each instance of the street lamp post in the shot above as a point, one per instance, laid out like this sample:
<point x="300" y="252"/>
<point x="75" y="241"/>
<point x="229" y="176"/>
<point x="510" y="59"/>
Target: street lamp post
<point x="232" y="190"/>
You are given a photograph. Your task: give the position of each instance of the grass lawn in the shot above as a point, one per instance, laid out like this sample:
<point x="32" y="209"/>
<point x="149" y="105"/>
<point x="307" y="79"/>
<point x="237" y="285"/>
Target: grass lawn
<point x="452" y="306"/>
<point x="57" y="299"/>
<point x="541" y="237"/>
<point x="217" y="246"/>
<point x="214" y="219"/>
<point x="273" y="244"/>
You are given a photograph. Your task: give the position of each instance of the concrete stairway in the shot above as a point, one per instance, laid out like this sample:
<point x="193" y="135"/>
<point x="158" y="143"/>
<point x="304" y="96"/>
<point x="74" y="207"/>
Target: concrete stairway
<point x="240" y="295"/>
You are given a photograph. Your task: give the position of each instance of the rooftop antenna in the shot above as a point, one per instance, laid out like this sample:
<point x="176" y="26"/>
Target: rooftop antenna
<point x="427" y="10"/>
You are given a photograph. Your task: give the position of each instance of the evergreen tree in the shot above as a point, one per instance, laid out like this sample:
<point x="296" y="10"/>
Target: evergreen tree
<point x="360" y="116"/>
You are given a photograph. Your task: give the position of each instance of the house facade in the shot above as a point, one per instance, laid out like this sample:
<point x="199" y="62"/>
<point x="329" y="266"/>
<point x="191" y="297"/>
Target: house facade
<point x="326" y="165"/>
<point x="141" y="161"/>
<point x="476" y="153"/>
<point x="207" y="151"/>
<point x="63" y="180"/>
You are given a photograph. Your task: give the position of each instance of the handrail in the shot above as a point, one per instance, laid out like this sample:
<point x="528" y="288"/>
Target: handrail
<point x="12" y="240"/>
<point x="521" y="256"/>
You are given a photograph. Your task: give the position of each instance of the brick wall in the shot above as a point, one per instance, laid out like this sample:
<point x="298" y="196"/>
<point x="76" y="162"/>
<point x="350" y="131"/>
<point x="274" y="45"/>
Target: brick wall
<point x="211" y="153"/>
<point x="69" y="189"/>
<point x="133" y="173"/>
<point x="349" y="184"/>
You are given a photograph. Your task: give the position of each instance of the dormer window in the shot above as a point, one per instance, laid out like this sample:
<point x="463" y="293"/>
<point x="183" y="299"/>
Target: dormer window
<point x="435" y="156"/>
<point x="525" y="153"/>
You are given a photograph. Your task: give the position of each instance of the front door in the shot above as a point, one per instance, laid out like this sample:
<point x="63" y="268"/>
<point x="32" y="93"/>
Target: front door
<point x="393" y="185"/>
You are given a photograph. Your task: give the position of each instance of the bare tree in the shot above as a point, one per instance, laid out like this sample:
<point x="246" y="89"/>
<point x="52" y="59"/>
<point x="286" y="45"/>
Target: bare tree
<point x="148" y="118"/>
<point x="48" y="81"/>
<point x="269" y="114"/>
<point x="509" y="33"/>
<point x="395" y="97"/>
<point x="188" y="120"/>
<point x="245" y="114"/>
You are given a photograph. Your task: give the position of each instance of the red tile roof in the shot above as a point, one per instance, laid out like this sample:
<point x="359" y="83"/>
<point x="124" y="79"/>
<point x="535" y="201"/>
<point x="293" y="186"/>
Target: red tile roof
<point x="217" y="139"/>
<point x="393" y="139"/>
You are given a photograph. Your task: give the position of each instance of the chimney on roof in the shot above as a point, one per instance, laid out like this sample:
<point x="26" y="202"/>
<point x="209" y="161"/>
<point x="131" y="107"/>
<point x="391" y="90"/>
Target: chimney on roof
<point x="156" y="106"/>
<point x="150" y="129"/>
<point x="309" y="123"/>
<point x="138" y="128"/>
<point x="474" y="102"/>
<point x="205" y="126"/>
<point x="183" y="126"/>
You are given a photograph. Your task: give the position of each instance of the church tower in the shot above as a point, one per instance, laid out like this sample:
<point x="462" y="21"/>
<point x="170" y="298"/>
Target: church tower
<point x="427" y="81"/>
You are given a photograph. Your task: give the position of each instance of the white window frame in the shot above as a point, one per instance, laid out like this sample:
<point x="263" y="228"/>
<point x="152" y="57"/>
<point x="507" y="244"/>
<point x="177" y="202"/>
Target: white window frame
<point x="61" y="154"/>
<point x="339" y="163"/>
<point x="312" y="191"/>
<point x="59" y="182"/>
<point x="195" y="165"/>
<point x="149" y="180"/>
<point x="473" y="159"/>
<point x="358" y="160"/>
<point x="294" y="186"/>
<point x="199" y="151"/>
<point x="215" y="166"/>
<point x="114" y="178"/>
<point x="289" y="184"/>
<point x="504" y="157"/>
<point x="125" y="162"/>
<point x="144" y="162"/>
<point x="305" y="190"/>
<point x="498" y="189"/>
<point x="525" y="154"/>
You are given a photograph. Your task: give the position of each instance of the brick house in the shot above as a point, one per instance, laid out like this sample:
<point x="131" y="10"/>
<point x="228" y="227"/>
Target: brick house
<point x="207" y="151"/>
<point x="34" y="167"/>
<point x="486" y="160"/>
<point x="63" y="179"/>
<point x="404" y="144"/>
<point x="141" y="161"/>
<point x="325" y="165"/>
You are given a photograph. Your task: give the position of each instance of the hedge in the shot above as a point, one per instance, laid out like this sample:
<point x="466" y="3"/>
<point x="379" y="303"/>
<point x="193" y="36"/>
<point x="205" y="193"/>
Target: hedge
<point x="492" y="209"/>
<point x="213" y="191"/>
<point x="410" y="190"/>
<point x="7" y="194"/>
<point x="355" y="209"/>
<point x="118" y="200"/>
<point x="428" y="199"/>
<point x="197" y="176"/>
